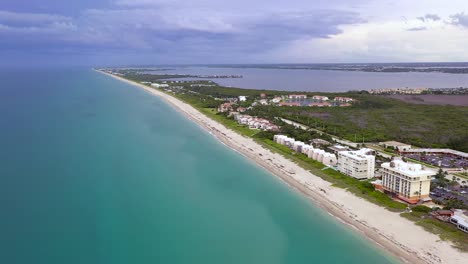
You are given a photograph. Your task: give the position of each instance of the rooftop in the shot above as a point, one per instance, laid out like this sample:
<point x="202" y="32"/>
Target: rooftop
<point x="362" y="154"/>
<point x="407" y="168"/>
<point x="338" y="148"/>
<point x="448" y="151"/>
<point x="461" y="217"/>
<point x="394" y="143"/>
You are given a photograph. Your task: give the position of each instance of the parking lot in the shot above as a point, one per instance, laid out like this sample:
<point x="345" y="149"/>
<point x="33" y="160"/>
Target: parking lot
<point x="442" y="195"/>
<point x="442" y="160"/>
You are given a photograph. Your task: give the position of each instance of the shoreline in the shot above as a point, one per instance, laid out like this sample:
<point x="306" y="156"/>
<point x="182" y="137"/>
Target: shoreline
<point x="387" y="230"/>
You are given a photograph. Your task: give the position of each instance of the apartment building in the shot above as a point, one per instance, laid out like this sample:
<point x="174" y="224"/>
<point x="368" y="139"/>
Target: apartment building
<point x="410" y="182"/>
<point x="358" y="164"/>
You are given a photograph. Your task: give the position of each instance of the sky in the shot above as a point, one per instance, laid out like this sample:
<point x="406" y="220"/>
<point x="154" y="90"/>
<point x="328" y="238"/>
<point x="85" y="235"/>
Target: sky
<point x="136" y="32"/>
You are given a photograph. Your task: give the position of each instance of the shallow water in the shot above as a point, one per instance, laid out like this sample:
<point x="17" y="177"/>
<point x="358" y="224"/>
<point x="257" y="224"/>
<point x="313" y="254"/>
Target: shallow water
<point x="94" y="170"/>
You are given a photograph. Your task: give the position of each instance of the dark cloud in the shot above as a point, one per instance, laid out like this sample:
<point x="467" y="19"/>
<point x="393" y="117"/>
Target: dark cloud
<point x="417" y="29"/>
<point x="159" y="30"/>
<point x="429" y="17"/>
<point x="460" y="19"/>
<point x="316" y="24"/>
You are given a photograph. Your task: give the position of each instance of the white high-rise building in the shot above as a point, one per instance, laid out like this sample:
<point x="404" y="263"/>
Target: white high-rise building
<point x="411" y="182"/>
<point x="358" y="164"/>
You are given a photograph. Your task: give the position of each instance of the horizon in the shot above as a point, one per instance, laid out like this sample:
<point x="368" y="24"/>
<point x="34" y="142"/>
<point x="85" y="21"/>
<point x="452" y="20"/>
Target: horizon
<point x="220" y="65"/>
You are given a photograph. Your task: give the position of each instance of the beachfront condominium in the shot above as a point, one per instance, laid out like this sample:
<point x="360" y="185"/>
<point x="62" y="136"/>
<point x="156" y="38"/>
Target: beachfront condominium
<point x="359" y="164"/>
<point x="408" y="181"/>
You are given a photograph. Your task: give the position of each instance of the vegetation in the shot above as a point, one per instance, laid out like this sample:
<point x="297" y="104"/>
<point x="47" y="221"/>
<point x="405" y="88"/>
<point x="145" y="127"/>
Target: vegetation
<point x="374" y="119"/>
<point x="393" y="120"/>
<point x="446" y="231"/>
<point x="421" y="208"/>
<point x="370" y="119"/>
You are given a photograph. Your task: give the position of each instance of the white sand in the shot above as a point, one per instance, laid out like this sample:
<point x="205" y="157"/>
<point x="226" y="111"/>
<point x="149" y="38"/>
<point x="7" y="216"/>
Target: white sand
<point x="397" y="235"/>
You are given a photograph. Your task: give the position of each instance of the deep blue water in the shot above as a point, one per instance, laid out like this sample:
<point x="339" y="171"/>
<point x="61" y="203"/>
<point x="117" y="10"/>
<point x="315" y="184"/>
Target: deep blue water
<point x="93" y="170"/>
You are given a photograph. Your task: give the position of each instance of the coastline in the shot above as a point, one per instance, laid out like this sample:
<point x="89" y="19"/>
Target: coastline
<point x="398" y="236"/>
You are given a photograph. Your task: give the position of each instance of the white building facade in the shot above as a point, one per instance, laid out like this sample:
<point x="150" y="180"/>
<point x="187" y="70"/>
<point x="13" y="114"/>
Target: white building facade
<point x="357" y="164"/>
<point x="411" y="182"/>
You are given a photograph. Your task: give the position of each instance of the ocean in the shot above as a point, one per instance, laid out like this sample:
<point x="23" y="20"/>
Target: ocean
<point x="323" y="80"/>
<point x="94" y="170"/>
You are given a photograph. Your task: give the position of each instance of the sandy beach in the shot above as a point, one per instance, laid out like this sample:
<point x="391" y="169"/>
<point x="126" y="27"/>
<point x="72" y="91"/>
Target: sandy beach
<point x="398" y="236"/>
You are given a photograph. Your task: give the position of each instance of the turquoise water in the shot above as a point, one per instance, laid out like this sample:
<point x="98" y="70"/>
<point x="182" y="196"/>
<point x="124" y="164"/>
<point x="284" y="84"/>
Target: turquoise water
<point x="96" y="171"/>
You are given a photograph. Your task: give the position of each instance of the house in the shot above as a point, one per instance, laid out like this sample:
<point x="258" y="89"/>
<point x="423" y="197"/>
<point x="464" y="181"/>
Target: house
<point x="320" y="98"/>
<point x="241" y="109"/>
<point x="263" y="102"/>
<point x="225" y="107"/>
<point x="306" y="148"/>
<point x="358" y="164"/>
<point x="242" y="98"/>
<point x="160" y="85"/>
<point x="298" y="145"/>
<point x="395" y="145"/>
<point x="344" y="99"/>
<point x="410" y="182"/>
<point x="256" y="122"/>
<point x="263" y="95"/>
<point x="442" y="215"/>
<point x="317" y="142"/>
<point x="297" y="96"/>
<point x="276" y="100"/>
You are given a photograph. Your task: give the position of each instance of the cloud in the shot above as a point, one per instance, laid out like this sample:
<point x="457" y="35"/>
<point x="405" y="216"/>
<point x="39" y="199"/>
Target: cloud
<point x="432" y="17"/>
<point x="228" y="31"/>
<point x="13" y="17"/>
<point x="317" y="24"/>
<point x="429" y="17"/>
<point x="153" y="27"/>
<point x="25" y="29"/>
<point x="460" y="19"/>
<point x="417" y="29"/>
